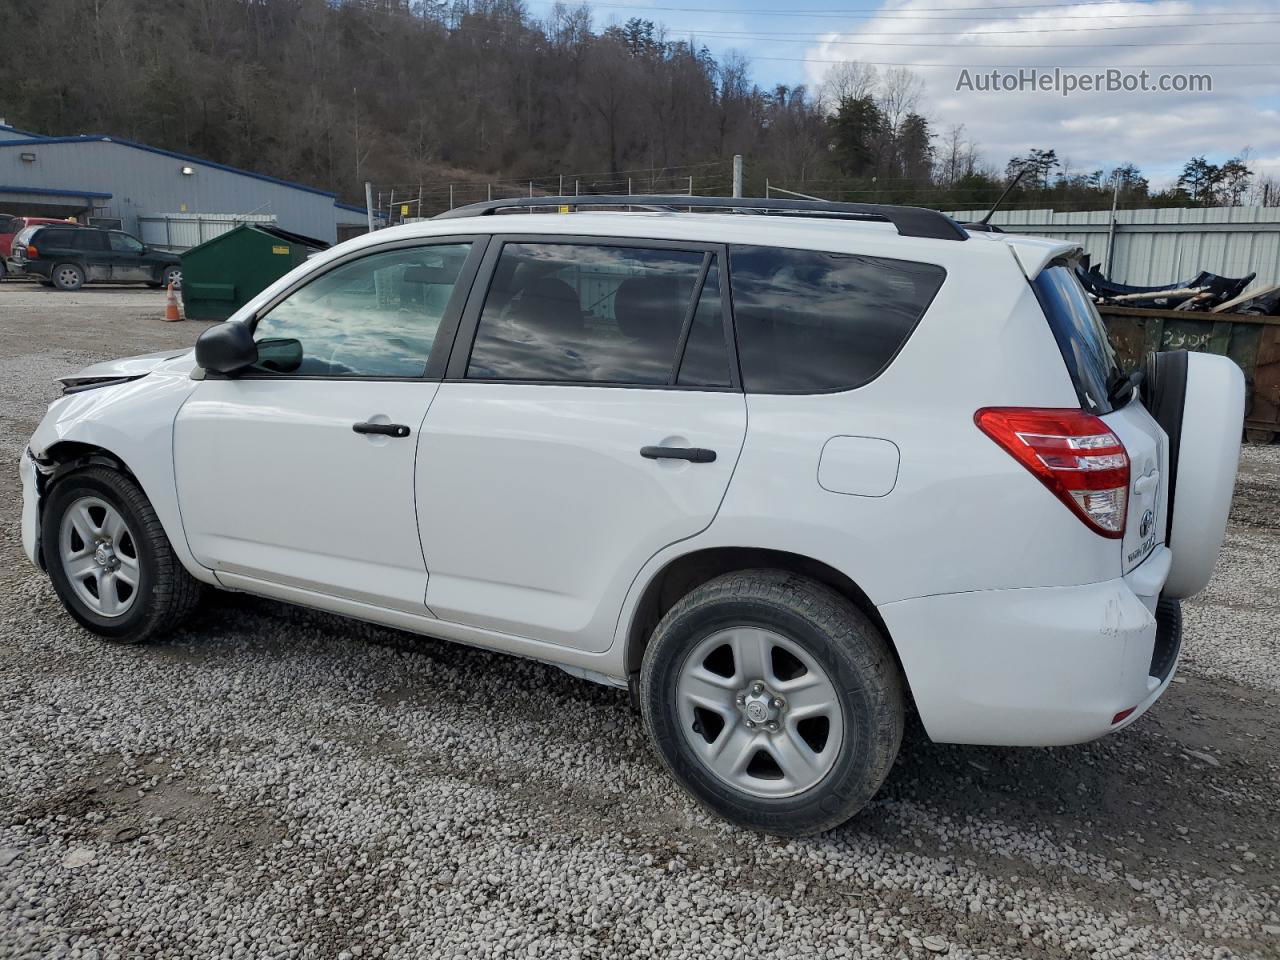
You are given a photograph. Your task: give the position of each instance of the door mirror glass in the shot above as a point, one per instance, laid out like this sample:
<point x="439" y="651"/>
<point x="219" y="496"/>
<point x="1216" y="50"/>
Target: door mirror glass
<point x="227" y="348"/>
<point x="279" y="354"/>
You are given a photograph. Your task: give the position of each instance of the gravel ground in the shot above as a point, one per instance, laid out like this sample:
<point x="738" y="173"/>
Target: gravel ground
<point x="275" y="782"/>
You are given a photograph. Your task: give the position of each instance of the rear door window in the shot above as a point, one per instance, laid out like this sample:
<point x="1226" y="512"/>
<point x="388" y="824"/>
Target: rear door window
<point x="89" y="240"/>
<point x="586" y="313"/>
<point x="1081" y="335"/>
<point x="812" y="322"/>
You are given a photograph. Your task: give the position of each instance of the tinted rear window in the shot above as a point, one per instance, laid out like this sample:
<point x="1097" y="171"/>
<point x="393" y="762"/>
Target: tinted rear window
<point x="55" y="237"/>
<point x="810" y="322"/>
<point x="1081" y="335"/>
<point x="89" y="240"/>
<point x="587" y="313"/>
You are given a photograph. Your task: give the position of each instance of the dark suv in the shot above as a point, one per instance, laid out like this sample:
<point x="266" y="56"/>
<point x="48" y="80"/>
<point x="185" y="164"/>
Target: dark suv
<point x="69" y="257"/>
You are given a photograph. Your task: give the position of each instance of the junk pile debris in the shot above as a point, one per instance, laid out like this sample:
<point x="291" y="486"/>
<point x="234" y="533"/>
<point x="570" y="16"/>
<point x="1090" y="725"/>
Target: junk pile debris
<point x="1206" y="292"/>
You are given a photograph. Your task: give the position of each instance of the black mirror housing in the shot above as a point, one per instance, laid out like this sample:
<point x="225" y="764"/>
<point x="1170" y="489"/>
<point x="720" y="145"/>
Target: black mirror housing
<point x="226" y="348"/>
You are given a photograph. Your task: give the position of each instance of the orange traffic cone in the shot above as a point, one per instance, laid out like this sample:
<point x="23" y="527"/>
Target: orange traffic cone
<point x="171" y="305"/>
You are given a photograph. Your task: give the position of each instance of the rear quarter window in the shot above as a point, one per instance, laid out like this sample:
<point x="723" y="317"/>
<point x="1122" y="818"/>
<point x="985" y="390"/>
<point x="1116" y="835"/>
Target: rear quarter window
<point x="55" y="237"/>
<point x="814" y="322"/>
<point x="1080" y="333"/>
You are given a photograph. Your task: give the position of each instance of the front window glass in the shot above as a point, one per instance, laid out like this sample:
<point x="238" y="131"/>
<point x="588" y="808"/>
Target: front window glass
<point x="584" y="313"/>
<point x="123" y="243"/>
<point x="373" y="317"/>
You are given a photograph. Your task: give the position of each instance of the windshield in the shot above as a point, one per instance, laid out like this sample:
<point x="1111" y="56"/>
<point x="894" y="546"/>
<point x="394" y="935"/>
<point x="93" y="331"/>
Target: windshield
<point x="1081" y="335"/>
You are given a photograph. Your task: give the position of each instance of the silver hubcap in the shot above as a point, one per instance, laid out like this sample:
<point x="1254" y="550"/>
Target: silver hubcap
<point x="174" y="277"/>
<point x="99" y="556"/>
<point x="68" y="277"/>
<point x="759" y="712"/>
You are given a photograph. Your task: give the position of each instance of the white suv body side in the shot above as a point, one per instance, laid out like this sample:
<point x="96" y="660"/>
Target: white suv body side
<point x="521" y="517"/>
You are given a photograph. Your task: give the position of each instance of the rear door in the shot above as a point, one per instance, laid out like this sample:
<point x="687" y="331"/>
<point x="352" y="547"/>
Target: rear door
<point x="590" y="417"/>
<point x="94" y="253"/>
<point x="1091" y="361"/>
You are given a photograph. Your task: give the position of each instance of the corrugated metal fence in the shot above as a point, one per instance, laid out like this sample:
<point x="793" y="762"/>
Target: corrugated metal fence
<point x="1159" y="246"/>
<point x="182" y="231"/>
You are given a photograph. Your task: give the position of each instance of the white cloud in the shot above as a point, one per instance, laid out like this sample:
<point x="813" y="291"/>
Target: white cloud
<point x="1157" y="131"/>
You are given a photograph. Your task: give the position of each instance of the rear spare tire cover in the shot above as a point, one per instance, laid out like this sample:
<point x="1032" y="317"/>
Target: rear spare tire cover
<point x="1204" y="451"/>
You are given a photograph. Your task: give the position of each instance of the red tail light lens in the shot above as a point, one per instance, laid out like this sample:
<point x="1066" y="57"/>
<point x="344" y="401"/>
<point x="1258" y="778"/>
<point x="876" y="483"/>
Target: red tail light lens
<point x="32" y="252"/>
<point x="1071" y="452"/>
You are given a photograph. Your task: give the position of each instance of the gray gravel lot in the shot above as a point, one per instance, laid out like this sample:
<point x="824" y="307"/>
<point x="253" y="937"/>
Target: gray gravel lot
<point x="275" y="782"/>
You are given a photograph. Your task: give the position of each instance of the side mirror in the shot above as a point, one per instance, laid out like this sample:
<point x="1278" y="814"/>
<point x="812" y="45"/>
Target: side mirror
<point x="227" y="348"/>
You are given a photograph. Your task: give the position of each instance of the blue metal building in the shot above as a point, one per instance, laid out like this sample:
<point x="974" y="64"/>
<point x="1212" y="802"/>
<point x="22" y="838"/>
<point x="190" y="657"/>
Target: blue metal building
<point x="166" y="198"/>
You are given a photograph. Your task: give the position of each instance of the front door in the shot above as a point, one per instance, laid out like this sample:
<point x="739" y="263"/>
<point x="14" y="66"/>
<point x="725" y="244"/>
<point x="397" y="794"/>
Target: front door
<point x="595" y="420"/>
<point x="128" y="265"/>
<point x="300" y="471"/>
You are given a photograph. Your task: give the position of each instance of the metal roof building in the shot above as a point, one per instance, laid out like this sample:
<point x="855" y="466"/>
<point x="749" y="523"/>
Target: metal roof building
<point x="148" y="189"/>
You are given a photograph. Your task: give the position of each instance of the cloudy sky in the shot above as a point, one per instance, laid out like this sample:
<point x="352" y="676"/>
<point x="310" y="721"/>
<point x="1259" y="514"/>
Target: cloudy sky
<point x="1236" y="43"/>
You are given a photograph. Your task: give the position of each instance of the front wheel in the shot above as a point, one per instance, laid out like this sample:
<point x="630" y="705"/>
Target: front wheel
<point x="773" y="700"/>
<point x="109" y="559"/>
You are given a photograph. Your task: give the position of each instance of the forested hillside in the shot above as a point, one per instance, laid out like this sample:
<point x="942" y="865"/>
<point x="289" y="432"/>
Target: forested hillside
<point x="336" y="92"/>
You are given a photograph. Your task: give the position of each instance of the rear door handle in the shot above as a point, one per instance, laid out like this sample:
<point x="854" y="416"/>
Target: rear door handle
<point x="692" y="454"/>
<point x="384" y="429"/>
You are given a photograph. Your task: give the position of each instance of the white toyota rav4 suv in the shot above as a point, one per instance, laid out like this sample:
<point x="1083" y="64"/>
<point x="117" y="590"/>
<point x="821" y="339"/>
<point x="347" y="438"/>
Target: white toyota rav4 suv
<point x="778" y="474"/>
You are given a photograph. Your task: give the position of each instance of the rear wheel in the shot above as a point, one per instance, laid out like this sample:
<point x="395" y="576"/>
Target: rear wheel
<point x="773" y="700"/>
<point x="172" y="275"/>
<point x="109" y="559"/>
<point x="67" y="276"/>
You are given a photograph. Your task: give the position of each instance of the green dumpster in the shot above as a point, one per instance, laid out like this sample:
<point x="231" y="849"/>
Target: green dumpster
<point x="223" y="274"/>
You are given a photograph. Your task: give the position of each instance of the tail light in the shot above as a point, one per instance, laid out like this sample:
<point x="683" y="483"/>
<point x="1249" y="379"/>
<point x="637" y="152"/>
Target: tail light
<point x="1071" y="452"/>
<point x="32" y="252"/>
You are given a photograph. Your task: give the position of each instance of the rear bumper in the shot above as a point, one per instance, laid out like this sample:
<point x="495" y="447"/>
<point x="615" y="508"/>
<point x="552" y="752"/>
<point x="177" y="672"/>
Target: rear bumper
<point x="1038" y="666"/>
<point x="31" y="268"/>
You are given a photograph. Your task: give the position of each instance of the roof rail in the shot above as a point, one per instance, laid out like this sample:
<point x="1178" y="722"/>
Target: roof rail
<point x="909" y="221"/>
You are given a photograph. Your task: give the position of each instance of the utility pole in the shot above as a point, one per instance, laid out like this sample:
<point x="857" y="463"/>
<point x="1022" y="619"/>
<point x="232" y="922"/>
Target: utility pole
<point x="737" y="175"/>
<point x="368" y="203"/>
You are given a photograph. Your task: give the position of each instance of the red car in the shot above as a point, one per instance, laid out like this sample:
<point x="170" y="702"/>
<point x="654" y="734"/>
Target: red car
<point x="9" y="227"/>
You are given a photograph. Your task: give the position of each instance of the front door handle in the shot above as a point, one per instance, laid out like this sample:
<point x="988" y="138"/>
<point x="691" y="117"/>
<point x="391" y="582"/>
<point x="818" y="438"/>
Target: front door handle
<point x="692" y="454"/>
<point x="384" y="429"/>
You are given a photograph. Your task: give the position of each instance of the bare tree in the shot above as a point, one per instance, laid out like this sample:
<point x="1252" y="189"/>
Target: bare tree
<point x="900" y="92"/>
<point x="849" y="80"/>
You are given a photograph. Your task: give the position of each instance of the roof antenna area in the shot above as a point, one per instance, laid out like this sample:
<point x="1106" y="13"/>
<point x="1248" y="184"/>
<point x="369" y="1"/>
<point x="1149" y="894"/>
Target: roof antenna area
<point x="985" y="223"/>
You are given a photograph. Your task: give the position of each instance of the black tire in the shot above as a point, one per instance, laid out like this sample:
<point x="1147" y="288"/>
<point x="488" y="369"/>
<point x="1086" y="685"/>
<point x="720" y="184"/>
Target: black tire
<point x="841" y="639"/>
<point x="166" y="593"/>
<point x="67" y="276"/>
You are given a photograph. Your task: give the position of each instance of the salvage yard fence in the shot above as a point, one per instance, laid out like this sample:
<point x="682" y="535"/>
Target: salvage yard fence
<point x="1158" y="246"/>
<point x="182" y="231"/>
